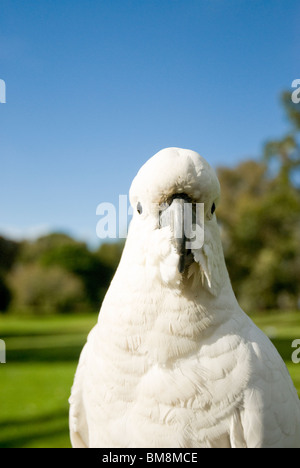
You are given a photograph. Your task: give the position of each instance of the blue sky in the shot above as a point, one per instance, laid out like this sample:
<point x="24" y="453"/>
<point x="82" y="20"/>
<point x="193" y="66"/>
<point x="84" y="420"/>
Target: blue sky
<point x="94" y="88"/>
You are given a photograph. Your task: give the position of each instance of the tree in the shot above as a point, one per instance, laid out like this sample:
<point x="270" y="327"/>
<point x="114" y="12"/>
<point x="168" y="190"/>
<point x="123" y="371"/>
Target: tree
<point x="5" y="295"/>
<point x="55" y="265"/>
<point x="260" y="229"/>
<point x="8" y="253"/>
<point x="110" y="253"/>
<point x="259" y="218"/>
<point x="292" y="110"/>
<point x="286" y="151"/>
<point x="42" y="291"/>
<point x="77" y="259"/>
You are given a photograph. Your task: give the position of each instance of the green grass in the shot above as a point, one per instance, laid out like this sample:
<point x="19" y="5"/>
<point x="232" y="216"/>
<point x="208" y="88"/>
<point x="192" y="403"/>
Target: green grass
<point x="41" y="359"/>
<point x="42" y="356"/>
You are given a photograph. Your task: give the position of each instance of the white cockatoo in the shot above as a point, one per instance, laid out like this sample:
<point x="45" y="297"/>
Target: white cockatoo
<point x="173" y="361"/>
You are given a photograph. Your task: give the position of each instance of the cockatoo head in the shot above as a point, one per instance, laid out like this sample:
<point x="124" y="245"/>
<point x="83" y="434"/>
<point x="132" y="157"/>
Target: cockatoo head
<point x="174" y="228"/>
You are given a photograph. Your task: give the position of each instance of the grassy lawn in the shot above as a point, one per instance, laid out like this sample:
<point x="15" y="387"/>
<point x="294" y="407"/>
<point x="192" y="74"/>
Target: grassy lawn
<point x="42" y="355"/>
<point x="41" y="359"/>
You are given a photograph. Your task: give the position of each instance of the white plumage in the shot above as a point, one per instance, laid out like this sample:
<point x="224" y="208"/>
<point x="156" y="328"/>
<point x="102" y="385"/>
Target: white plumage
<point x="173" y="360"/>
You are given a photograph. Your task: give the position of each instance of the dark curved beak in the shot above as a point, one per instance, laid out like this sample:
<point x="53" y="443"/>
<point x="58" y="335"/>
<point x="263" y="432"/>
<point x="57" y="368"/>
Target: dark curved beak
<point x="174" y="215"/>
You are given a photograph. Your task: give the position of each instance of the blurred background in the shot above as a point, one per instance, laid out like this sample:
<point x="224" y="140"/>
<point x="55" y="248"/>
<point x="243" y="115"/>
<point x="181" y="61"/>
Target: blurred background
<point x="95" y="88"/>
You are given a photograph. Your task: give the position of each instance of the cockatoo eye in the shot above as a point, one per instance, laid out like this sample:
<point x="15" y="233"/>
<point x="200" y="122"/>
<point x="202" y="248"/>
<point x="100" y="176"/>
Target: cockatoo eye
<point x="213" y="208"/>
<point x="139" y="208"/>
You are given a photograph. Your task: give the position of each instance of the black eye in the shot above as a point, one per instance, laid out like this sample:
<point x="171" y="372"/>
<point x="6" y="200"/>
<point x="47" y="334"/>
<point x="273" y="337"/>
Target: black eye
<point x="213" y="209"/>
<point x="139" y="208"/>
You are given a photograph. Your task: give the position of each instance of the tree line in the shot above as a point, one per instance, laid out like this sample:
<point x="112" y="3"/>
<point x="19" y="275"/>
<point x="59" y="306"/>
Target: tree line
<point x="54" y="274"/>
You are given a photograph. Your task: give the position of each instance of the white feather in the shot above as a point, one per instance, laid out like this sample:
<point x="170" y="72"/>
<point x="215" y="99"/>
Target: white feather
<point x="173" y="361"/>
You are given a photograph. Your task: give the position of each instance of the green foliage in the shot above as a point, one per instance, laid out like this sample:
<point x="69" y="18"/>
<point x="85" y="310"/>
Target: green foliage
<point x="292" y="110"/>
<point x="110" y="254"/>
<point x="31" y="252"/>
<point x="261" y="241"/>
<point x="77" y="259"/>
<point x="5" y="295"/>
<point x="286" y="151"/>
<point x="260" y="222"/>
<point x="259" y="215"/>
<point x="55" y="274"/>
<point x="45" y="291"/>
<point x="8" y="253"/>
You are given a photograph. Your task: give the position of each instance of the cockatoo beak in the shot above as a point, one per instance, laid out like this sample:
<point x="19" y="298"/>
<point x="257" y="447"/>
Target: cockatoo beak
<point x="173" y="215"/>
